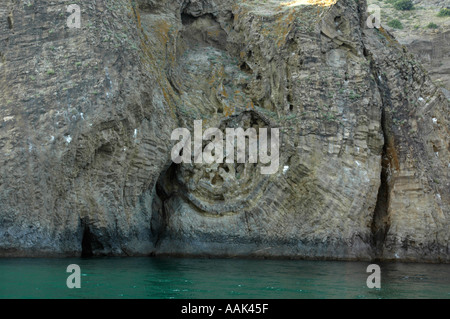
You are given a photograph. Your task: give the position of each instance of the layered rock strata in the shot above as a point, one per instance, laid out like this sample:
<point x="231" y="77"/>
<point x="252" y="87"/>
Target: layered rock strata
<point x="87" y="116"/>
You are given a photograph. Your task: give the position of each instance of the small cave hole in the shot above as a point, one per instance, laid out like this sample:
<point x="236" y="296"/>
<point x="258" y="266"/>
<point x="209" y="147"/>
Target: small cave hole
<point x="289" y="99"/>
<point x="217" y="180"/>
<point x="10" y="23"/>
<point x="337" y="20"/>
<point x="245" y="68"/>
<point x="187" y="19"/>
<point x="107" y="148"/>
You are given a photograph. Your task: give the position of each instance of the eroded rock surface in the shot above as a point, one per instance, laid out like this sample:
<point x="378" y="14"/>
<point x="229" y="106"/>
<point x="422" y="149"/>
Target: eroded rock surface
<point x="87" y="115"/>
<point x="425" y="33"/>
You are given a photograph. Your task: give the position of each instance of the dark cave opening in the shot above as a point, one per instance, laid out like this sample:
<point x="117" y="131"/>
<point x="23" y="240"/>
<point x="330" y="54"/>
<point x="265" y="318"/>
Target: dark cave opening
<point x="187" y="19"/>
<point x="166" y="181"/>
<point x="90" y="243"/>
<point x="86" y="243"/>
<point x="164" y="189"/>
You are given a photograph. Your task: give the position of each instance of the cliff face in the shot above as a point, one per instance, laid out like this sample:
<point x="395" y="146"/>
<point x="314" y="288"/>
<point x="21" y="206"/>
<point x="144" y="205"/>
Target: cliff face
<point x="87" y="116"/>
<point x="425" y="33"/>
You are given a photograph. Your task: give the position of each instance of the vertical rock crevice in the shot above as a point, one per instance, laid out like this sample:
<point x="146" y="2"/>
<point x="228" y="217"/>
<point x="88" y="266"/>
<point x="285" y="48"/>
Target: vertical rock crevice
<point x="380" y="223"/>
<point x="10" y="20"/>
<point x="389" y="163"/>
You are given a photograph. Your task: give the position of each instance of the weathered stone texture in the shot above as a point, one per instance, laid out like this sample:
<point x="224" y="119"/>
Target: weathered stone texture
<point x="87" y="115"/>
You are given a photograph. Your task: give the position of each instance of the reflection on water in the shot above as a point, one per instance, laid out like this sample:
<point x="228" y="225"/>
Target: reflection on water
<point x="218" y="278"/>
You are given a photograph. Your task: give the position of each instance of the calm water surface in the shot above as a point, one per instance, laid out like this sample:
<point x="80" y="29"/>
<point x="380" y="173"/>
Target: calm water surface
<point x="218" y="278"/>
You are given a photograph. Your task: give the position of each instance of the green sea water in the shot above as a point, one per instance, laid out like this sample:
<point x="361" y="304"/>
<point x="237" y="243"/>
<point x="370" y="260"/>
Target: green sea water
<point x="166" y="278"/>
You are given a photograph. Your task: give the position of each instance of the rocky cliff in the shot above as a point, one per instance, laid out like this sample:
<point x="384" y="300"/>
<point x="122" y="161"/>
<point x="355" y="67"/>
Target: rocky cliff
<point x="425" y="33"/>
<point x="87" y="116"/>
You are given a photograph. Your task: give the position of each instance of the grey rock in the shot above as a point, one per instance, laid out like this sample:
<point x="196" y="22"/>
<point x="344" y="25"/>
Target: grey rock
<point x="87" y="116"/>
